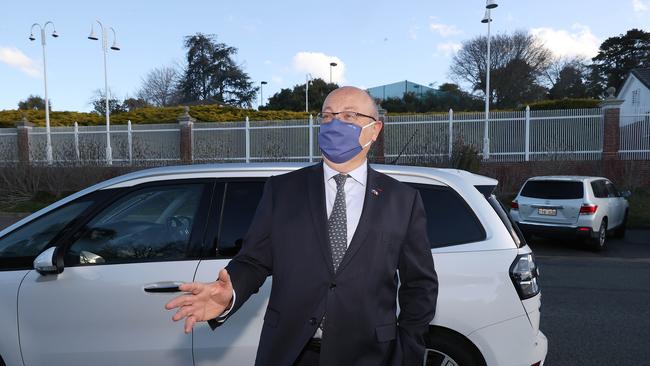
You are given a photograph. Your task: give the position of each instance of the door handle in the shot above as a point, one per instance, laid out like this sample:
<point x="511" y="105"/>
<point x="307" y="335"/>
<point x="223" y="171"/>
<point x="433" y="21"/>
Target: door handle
<point x="163" y="287"/>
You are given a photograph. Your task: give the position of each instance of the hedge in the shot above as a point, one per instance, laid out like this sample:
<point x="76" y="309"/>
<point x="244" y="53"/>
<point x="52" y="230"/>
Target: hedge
<point x="564" y="104"/>
<point x="203" y="113"/>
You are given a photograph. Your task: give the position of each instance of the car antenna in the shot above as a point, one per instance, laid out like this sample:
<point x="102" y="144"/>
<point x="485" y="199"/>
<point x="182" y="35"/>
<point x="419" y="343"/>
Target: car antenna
<point x="403" y="148"/>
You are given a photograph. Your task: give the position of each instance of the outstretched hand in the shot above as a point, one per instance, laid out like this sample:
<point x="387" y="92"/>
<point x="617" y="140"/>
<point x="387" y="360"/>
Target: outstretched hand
<point x="202" y="301"/>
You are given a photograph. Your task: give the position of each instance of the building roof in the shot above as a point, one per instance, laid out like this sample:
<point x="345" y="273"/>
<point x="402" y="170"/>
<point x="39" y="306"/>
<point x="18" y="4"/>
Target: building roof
<point x="643" y="75"/>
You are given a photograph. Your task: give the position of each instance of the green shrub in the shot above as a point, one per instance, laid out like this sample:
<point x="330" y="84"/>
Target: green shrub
<point x="564" y="104"/>
<point x="203" y="113"/>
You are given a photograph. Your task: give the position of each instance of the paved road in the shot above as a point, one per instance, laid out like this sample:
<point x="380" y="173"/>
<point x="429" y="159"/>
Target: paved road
<point x="596" y="306"/>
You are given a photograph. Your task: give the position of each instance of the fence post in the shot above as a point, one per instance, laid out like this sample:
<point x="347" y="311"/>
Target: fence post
<point x="248" y="140"/>
<point x="527" y="143"/>
<point x="186" y="141"/>
<point x="311" y="138"/>
<point x="451" y="132"/>
<point x="611" y="109"/>
<point x="130" y="141"/>
<point x="76" y="141"/>
<point x="23" y="129"/>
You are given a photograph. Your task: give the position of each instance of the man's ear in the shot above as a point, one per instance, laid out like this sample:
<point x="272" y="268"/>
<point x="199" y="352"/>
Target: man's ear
<point x="377" y="127"/>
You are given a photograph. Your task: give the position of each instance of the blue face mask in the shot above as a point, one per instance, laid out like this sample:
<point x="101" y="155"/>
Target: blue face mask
<point x="339" y="141"/>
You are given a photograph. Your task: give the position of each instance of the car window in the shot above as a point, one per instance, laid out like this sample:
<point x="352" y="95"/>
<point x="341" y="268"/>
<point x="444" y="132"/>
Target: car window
<point x="552" y="189"/>
<point x="148" y="224"/>
<point x="600" y="191"/>
<point x="240" y="202"/>
<point x="21" y="246"/>
<point x="611" y="190"/>
<point x="447" y="212"/>
<point x="508" y="222"/>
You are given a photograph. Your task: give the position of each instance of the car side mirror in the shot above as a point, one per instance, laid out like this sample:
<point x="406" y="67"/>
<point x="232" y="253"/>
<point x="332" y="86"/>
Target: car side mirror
<point x="49" y="262"/>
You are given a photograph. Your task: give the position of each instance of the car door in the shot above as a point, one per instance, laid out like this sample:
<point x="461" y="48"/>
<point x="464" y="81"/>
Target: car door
<point x="235" y="342"/>
<point x="18" y="248"/>
<point x="615" y="205"/>
<point x="99" y="309"/>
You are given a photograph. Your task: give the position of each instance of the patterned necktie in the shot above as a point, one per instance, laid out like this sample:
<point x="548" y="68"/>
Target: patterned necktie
<point x="337" y="223"/>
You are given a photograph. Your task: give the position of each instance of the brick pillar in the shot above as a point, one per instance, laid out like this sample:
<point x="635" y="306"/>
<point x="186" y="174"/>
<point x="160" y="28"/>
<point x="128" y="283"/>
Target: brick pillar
<point x="186" y="123"/>
<point x="24" y="127"/>
<point x="611" y="167"/>
<point x="379" y="150"/>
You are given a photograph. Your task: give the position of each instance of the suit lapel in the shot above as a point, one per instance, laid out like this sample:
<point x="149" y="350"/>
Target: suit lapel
<point x="316" y="188"/>
<point x="368" y="213"/>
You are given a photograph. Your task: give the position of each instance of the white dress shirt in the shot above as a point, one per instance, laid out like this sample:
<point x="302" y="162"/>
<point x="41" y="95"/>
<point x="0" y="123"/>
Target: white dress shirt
<point x="355" y="192"/>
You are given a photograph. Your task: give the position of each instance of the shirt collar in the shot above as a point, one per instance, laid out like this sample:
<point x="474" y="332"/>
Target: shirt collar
<point x="359" y="174"/>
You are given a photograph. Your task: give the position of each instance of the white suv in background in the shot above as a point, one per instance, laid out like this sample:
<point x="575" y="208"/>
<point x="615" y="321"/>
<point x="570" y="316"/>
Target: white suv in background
<point x="571" y="207"/>
<point x="111" y="256"/>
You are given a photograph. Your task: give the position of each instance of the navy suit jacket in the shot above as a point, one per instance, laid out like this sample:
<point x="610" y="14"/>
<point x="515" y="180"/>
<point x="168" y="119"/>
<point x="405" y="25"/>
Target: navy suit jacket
<point x="288" y="240"/>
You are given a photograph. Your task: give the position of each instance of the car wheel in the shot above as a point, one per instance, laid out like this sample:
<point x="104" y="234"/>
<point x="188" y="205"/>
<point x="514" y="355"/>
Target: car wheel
<point x="450" y="349"/>
<point x="620" y="230"/>
<point x="598" y="243"/>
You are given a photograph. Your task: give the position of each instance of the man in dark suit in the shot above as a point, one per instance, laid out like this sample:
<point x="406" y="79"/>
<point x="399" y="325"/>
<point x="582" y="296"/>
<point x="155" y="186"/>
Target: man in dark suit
<point x="343" y="243"/>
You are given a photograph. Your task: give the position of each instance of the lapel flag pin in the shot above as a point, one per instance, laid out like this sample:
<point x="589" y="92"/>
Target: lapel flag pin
<point x="375" y="191"/>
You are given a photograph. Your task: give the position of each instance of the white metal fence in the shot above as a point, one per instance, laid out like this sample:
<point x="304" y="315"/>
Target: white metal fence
<point x="635" y="135"/>
<point x="575" y="134"/>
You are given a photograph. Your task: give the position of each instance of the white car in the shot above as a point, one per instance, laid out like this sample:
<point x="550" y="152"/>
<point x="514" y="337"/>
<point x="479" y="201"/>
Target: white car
<point x="84" y="281"/>
<point x="571" y="207"/>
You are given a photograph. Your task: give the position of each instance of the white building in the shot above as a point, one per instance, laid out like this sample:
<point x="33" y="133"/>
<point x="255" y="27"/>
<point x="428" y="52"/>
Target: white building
<point x="636" y="95"/>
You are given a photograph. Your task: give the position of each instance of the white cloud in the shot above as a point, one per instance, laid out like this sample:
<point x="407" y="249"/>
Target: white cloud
<point x="17" y="59"/>
<point x="449" y="49"/>
<point x="277" y="79"/>
<point x="443" y="29"/>
<point x="318" y="65"/>
<point x="267" y="62"/>
<point x="580" y="41"/>
<point x="413" y="32"/>
<point x="639" y="6"/>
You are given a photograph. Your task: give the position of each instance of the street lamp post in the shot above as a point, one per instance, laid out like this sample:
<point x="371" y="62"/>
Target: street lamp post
<point x="332" y="64"/>
<point x="308" y="80"/>
<point x="48" y="145"/>
<point x="489" y="5"/>
<point x="114" y="47"/>
<point x="262" y="83"/>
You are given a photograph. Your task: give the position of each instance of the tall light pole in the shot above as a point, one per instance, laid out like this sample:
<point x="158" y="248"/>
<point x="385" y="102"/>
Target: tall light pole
<point x="48" y="145"/>
<point x="489" y="5"/>
<point x="114" y="47"/>
<point x="262" y="83"/>
<point x="332" y="64"/>
<point x="308" y="80"/>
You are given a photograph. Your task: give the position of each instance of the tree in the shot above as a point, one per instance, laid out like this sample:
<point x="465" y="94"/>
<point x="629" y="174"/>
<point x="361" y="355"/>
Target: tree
<point x="131" y="104"/>
<point x="211" y="74"/>
<point x="515" y="59"/>
<point x="98" y="101"/>
<point x="294" y="99"/>
<point x="33" y="102"/>
<point x="616" y="57"/>
<point x="568" y="78"/>
<point x="159" y="87"/>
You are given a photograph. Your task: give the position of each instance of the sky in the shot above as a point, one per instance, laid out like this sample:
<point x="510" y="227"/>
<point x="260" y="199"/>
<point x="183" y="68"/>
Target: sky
<point x="373" y="42"/>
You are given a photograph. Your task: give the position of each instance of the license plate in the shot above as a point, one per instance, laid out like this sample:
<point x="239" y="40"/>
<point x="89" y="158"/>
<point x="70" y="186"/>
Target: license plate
<point x="547" y="211"/>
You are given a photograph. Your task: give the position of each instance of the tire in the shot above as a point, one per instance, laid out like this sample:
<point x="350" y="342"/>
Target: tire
<point x="619" y="232"/>
<point x="447" y="348"/>
<point x="598" y="243"/>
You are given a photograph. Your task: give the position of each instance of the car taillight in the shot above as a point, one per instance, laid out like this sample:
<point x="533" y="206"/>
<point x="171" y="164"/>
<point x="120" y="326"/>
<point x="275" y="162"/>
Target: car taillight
<point x="524" y="274"/>
<point x="514" y="205"/>
<point x="586" y="209"/>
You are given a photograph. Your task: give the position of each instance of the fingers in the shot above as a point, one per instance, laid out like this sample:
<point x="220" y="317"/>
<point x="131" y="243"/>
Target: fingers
<point x="185" y="311"/>
<point x="189" y="323"/>
<point x="193" y="287"/>
<point x="180" y="301"/>
<point x="224" y="276"/>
